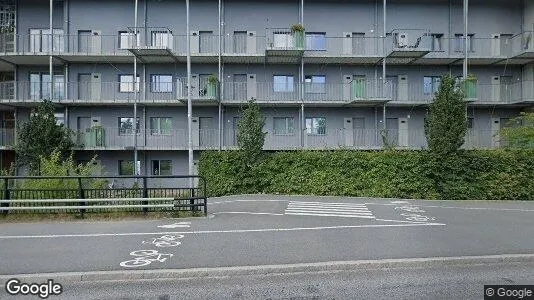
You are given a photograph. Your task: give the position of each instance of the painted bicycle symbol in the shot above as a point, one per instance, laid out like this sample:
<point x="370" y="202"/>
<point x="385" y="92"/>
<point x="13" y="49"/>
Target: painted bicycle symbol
<point x="165" y="241"/>
<point x="144" y="258"/>
<point x="417" y="218"/>
<point x="413" y="209"/>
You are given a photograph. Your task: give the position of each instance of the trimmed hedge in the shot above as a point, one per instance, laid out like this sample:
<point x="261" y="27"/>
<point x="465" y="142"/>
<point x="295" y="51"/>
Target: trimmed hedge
<point x="481" y="174"/>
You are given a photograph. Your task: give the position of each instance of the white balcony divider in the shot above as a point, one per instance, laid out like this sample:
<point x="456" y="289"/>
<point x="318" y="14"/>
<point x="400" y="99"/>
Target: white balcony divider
<point x="523" y="43"/>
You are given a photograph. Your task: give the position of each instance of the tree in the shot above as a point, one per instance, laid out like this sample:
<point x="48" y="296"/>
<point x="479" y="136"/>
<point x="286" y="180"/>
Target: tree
<point x="250" y="135"/>
<point x="40" y="136"/>
<point x="446" y="123"/>
<point x="519" y="132"/>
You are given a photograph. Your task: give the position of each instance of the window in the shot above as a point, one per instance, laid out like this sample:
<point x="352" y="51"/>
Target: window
<point x="161" y="39"/>
<point x="283" y="83"/>
<point x="126" y="84"/>
<point x="282" y="39"/>
<point x="126" y="126"/>
<point x="161" y="167"/>
<point x="40" y="86"/>
<point x="315" y="84"/>
<point x="431" y="84"/>
<point x="41" y="40"/>
<point x="161" y="83"/>
<point x="437" y="41"/>
<point x="60" y="118"/>
<point x="127" y="39"/>
<point x="316" y="125"/>
<point x="283" y="126"/>
<point x="126" y="167"/>
<point x="160" y="125"/>
<point x="459" y="42"/>
<point x="316" y="41"/>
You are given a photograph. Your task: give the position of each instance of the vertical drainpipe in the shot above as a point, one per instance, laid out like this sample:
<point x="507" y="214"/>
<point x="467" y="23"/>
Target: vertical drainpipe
<point x="189" y="104"/>
<point x="135" y="93"/>
<point x="466" y="4"/>
<point x="384" y="65"/>
<point x="303" y="119"/>
<point x="219" y="139"/>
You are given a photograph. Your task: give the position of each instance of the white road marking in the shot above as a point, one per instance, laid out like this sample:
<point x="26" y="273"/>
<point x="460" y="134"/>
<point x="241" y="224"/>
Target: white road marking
<point x="222" y="231"/>
<point x="176" y="225"/>
<point x="325" y="209"/>
<point x="456" y="207"/>
<point x="399" y="202"/>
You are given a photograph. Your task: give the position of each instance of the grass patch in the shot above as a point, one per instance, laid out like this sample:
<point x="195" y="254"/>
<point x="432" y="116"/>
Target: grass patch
<point x="109" y="216"/>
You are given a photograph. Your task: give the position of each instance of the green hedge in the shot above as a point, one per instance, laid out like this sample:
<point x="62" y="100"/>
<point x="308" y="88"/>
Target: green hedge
<point x="491" y="174"/>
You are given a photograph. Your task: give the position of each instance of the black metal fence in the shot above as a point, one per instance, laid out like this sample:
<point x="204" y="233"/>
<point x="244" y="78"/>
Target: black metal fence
<point x="89" y="194"/>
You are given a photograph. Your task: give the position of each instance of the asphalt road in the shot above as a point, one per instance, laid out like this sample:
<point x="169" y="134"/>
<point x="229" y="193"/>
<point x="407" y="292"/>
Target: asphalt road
<point x="266" y="230"/>
<point x="449" y="282"/>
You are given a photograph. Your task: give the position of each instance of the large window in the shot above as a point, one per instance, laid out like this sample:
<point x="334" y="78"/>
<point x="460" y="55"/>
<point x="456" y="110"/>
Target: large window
<point x="41" y="40"/>
<point x="283" y="83"/>
<point x="126" y="84"/>
<point x="160" y="125"/>
<point x="284" y="126"/>
<point x="162" y="167"/>
<point x="431" y="84"/>
<point x="41" y="86"/>
<point x="126" y="167"/>
<point x="316" y="125"/>
<point x="126" y="126"/>
<point x="161" y="83"/>
<point x="315" y="84"/>
<point x="316" y="41"/>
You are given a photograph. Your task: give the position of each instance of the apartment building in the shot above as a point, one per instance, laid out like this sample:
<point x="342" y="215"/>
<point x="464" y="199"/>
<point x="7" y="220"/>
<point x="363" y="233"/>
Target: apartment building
<point x="360" y="69"/>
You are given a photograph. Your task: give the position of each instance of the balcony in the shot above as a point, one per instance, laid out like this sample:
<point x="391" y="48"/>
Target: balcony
<point x="357" y="91"/>
<point x="107" y="92"/>
<point x="480" y="51"/>
<point x="406" y="45"/>
<point x="523" y="47"/>
<point x="476" y="93"/>
<point x="284" y="45"/>
<point x="351" y="49"/>
<point x="100" y="138"/>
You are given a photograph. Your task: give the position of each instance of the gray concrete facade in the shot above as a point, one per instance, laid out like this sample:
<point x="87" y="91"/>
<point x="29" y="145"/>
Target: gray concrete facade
<point x="328" y="94"/>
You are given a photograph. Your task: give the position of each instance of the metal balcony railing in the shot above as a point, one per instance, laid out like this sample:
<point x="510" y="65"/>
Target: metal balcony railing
<point x="352" y="45"/>
<point x="523" y="43"/>
<point x="284" y="39"/>
<point x="408" y="40"/>
<point x="107" y="92"/>
<point x="112" y="138"/>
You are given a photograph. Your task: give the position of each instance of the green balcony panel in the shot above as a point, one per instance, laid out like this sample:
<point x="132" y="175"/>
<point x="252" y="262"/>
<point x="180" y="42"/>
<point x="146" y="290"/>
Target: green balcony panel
<point x="95" y="137"/>
<point x="357" y="89"/>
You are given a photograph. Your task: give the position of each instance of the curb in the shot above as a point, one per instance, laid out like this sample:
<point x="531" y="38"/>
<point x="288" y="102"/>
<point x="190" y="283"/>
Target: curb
<point x="69" y="277"/>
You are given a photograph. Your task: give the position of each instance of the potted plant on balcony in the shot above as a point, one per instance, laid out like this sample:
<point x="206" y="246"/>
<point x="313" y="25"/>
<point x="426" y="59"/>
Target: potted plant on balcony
<point x="297" y="30"/>
<point x="213" y="81"/>
<point x="470" y="87"/>
<point x="95" y="136"/>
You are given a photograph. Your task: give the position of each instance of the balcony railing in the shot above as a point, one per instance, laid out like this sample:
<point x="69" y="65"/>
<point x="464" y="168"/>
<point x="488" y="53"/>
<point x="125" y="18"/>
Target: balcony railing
<point x="523" y="43"/>
<point x="352" y="45"/>
<point x="106" y="92"/>
<point x="406" y="41"/>
<point x="355" y="90"/>
<point x="122" y="138"/>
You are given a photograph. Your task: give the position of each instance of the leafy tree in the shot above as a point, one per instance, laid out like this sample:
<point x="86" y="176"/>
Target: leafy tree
<point x="446" y="124"/>
<point x="41" y="136"/>
<point x="519" y="132"/>
<point x="250" y="135"/>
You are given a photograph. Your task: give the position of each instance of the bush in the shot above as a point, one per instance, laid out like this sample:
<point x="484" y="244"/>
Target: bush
<point x="491" y="174"/>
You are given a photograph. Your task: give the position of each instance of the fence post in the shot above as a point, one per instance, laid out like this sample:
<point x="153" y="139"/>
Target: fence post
<point x="6" y="196"/>
<point x="145" y="195"/>
<point x="81" y="195"/>
<point x="205" y="195"/>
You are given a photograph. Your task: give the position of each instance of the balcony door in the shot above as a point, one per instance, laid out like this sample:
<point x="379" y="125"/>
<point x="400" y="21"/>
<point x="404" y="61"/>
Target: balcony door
<point x="240" y="87"/>
<point x="358" y="43"/>
<point x="82" y="126"/>
<point x="240" y="42"/>
<point x="207" y="136"/>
